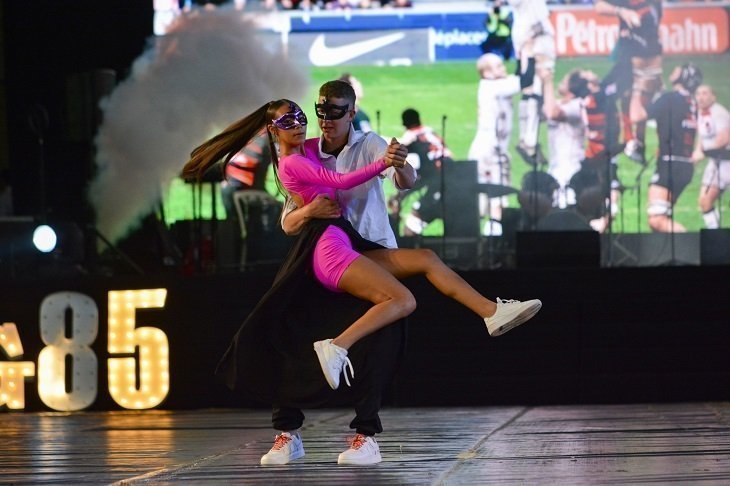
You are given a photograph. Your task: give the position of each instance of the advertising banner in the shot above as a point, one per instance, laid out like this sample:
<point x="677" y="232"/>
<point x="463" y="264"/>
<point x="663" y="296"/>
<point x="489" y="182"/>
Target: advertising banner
<point x="378" y="37"/>
<point x="374" y="47"/>
<point x="682" y="31"/>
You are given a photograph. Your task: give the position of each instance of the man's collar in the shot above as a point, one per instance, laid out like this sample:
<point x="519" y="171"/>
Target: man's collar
<point x="352" y="137"/>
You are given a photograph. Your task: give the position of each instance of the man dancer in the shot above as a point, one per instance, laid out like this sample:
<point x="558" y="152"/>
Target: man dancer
<point x="343" y="149"/>
<point x="713" y="130"/>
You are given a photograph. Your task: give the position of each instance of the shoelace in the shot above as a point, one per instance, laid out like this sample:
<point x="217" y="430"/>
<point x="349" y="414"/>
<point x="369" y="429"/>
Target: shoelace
<point x="280" y="441"/>
<point x="345" y="364"/>
<point x="358" y="441"/>
<point x="507" y="301"/>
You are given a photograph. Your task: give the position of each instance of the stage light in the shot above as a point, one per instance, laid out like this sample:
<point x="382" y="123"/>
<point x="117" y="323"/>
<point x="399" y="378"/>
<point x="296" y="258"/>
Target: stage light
<point x="44" y="238"/>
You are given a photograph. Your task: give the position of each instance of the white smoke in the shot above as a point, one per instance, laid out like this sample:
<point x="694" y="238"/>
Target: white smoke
<point x="210" y="71"/>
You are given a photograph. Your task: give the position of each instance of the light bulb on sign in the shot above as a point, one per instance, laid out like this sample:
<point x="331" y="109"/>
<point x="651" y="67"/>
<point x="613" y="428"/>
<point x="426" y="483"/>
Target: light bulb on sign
<point x="148" y="386"/>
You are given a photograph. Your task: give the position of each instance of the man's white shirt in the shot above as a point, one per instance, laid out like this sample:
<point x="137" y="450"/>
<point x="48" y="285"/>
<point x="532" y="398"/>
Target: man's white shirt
<point x="364" y="205"/>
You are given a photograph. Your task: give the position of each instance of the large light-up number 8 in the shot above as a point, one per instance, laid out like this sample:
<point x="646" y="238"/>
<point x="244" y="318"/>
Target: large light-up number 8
<point x="68" y="356"/>
<point x="148" y="385"/>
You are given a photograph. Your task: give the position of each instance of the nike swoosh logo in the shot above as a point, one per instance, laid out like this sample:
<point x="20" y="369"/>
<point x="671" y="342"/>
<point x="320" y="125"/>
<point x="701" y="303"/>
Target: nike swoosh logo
<point x="321" y="55"/>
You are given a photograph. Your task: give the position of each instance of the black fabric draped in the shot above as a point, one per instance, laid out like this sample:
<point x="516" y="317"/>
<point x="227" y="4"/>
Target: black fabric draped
<point x="271" y="356"/>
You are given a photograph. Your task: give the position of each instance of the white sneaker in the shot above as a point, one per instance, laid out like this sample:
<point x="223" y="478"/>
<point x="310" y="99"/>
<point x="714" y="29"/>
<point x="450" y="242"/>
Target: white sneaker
<point x="333" y="360"/>
<point x="287" y="447"/>
<point x="363" y="451"/>
<point x="510" y="314"/>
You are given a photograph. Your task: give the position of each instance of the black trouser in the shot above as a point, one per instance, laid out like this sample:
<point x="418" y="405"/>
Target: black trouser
<point x="376" y="355"/>
<point x="367" y="406"/>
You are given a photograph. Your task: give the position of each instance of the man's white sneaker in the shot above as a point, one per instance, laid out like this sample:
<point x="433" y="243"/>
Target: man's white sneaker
<point x="363" y="451"/>
<point x="510" y="314"/>
<point x="333" y="360"/>
<point x="287" y="447"/>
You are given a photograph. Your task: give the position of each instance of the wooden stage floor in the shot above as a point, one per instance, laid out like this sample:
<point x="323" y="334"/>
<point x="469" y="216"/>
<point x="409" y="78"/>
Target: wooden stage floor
<point x="567" y="444"/>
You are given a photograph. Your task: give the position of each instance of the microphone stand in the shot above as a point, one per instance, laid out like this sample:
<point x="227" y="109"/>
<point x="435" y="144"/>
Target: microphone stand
<point x="670" y="183"/>
<point x="442" y="184"/>
<point x="609" y="210"/>
<point x="116" y="250"/>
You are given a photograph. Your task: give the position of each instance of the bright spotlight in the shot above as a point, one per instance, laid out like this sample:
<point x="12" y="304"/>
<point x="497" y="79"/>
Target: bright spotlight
<point x="44" y="238"/>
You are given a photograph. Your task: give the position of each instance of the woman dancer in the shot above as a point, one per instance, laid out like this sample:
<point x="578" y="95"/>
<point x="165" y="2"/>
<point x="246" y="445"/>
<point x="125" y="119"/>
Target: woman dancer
<point x="338" y="257"/>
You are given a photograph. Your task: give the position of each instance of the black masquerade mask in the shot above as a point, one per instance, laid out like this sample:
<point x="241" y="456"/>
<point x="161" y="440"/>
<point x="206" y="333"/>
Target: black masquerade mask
<point x="328" y="111"/>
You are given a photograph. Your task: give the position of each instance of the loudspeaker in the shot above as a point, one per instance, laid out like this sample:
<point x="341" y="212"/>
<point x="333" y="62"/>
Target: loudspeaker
<point x="651" y="249"/>
<point x="460" y="199"/>
<point x="543" y="249"/>
<point x="715" y="247"/>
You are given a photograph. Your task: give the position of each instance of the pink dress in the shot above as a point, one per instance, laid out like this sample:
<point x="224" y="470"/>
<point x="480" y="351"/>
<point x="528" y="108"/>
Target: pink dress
<point x="307" y="179"/>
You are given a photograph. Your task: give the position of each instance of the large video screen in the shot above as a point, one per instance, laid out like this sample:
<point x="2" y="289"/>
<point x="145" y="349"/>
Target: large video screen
<point x="592" y="164"/>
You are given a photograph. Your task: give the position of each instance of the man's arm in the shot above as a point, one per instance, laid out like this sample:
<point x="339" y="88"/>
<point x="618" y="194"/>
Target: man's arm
<point x="405" y="177"/>
<point x="405" y="174"/>
<point x="631" y="17"/>
<point x="293" y="219"/>
<point x="550" y="107"/>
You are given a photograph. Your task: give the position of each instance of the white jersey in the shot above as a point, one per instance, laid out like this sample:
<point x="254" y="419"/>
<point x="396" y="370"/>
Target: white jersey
<point x="364" y="205"/>
<point x="494" y="125"/>
<point x="527" y="14"/>
<point x="710" y="123"/>
<point x="425" y="134"/>
<point x="566" y="140"/>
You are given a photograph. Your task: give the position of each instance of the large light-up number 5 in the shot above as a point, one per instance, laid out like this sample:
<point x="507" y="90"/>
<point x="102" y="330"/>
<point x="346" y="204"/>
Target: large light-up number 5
<point x="67" y="366"/>
<point x="148" y="385"/>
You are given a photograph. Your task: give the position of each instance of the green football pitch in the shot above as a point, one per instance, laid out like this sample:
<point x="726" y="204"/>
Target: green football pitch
<point x="450" y="89"/>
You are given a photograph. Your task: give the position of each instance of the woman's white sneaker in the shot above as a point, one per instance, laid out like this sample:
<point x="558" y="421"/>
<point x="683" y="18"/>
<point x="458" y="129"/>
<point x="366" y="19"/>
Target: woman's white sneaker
<point x="287" y="447"/>
<point x="510" y="314"/>
<point x="363" y="451"/>
<point x="333" y="360"/>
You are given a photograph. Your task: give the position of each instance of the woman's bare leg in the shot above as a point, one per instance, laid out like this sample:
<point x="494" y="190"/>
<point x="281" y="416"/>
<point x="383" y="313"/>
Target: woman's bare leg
<point x="404" y="262"/>
<point x="367" y="280"/>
